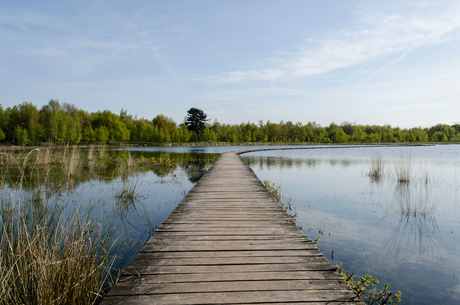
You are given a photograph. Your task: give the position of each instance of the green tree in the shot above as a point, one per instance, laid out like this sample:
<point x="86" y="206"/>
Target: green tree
<point x="102" y="134"/>
<point x="196" y="120"/>
<point x="165" y="126"/>
<point x="20" y="134"/>
<point x="112" y="123"/>
<point x="89" y="135"/>
<point x="49" y="115"/>
<point x="439" y="136"/>
<point x="26" y="116"/>
<point x="3" y="119"/>
<point x="2" y="135"/>
<point x="165" y="123"/>
<point x="336" y="134"/>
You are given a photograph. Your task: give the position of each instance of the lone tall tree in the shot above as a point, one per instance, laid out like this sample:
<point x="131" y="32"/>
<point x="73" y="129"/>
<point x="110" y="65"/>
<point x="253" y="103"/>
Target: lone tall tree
<point x="196" y="120"/>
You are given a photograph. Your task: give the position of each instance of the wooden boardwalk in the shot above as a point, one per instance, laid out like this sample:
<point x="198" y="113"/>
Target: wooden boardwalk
<point x="230" y="242"/>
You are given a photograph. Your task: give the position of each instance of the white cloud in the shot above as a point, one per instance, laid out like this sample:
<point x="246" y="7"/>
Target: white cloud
<point x="377" y="35"/>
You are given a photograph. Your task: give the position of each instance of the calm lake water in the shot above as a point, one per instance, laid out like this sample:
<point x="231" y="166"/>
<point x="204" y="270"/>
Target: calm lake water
<point x="366" y="225"/>
<point x="363" y="223"/>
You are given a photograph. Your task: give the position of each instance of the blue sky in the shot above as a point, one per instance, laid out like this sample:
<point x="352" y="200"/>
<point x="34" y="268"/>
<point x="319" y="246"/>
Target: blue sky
<point x="369" y="62"/>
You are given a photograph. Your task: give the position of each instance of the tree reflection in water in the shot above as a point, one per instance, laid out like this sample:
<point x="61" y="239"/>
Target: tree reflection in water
<point x="195" y="169"/>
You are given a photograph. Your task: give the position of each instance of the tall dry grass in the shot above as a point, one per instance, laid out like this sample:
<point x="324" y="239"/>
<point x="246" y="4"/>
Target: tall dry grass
<point x="49" y="255"/>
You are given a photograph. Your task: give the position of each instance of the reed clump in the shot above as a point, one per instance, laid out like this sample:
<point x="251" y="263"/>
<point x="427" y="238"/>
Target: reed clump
<point x="48" y="257"/>
<point x="376" y="171"/>
<point x="415" y="189"/>
<point x="128" y="194"/>
<point x="418" y="198"/>
<point x="403" y="169"/>
<point x="50" y="251"/>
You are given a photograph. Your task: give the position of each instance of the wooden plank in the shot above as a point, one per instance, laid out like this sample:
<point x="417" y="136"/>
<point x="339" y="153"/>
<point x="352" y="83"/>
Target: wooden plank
<point x="139" y="268"/>
<point x="237" y="276"/>
<point x="231" y="254"/>
<point x="185" y="236"/>
<point x="155" y="287"/>
<point x="230" y="242"/>
<point x="243" y="297"/>
<point x="241" y="260"/>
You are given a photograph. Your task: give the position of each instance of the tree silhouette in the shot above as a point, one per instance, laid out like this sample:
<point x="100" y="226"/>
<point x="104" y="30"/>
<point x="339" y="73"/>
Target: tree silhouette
<point x="196" y="120"/>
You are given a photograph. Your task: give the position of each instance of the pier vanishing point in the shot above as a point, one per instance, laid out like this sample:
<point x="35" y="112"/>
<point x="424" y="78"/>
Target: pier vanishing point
<point x="230" y="242"/>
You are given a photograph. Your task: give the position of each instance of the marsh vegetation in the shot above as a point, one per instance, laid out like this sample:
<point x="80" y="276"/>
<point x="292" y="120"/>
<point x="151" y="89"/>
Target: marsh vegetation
<point x="71" y="219"/>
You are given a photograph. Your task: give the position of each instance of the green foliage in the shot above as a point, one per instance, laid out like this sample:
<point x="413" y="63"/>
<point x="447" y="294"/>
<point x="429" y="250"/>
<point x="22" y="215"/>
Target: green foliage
<point x="284" y="201"/>
<point x="439" y="136"/>
<point x="64" y="123"/>
<point x="366" y="291"/>
<point x="111" y="123"/>
<point x="196" y="120"/>
<point x="20" y="135"/>
<point x="102" y="134"/>
<point x="89" y="135"/>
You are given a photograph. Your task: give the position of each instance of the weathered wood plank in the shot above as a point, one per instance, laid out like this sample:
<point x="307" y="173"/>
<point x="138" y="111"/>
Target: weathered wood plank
<point x="139" y="268"/>
<point x="216" y="236"/>
<point x="230" y="254"/>
<point x="238" y="276"/>
<point x="160" y="245"/>
<point x="147" y="258"/>
<point x="155" y="287"/>
<point x="243" y="297"/>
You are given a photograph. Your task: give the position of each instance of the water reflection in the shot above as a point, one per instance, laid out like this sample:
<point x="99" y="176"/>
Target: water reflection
<point x="413" y="235"/>
<point x="67" y="170"/>
<point x="130" y="191"/>
<point x="195" y="169"/>
<point x="286" y="162"/>
<point x="405" y="234"/>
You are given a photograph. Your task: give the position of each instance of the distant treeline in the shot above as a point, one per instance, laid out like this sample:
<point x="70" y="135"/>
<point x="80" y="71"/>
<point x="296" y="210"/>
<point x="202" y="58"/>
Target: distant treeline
<point x="64" y="123"/>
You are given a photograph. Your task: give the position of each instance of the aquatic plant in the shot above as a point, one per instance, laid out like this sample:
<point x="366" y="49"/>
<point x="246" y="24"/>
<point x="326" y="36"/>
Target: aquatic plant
<point x="49" y="257"/>
<point x="283" y="200"/>
<point x="403" y="169"/>
<point x="376" y="171"/>
<point x="369" y="295"/>
<point x="419" y="198"/>
<point x="51" y="251"/>
<point x="128" y="194"/>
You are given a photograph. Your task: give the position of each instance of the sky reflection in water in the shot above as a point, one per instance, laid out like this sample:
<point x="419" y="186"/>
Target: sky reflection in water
<point x="359" y="222"/>
<point x="364" y="223"/>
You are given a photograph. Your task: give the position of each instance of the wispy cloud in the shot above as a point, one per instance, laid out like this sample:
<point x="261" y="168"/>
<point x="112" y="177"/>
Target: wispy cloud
<point x="378" y="34"/>
<point x="79" y="42"/>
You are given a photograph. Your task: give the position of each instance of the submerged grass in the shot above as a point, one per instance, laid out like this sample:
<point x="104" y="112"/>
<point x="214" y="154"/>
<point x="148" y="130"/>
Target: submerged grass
<point x="376" y="171"/>
<point x="419" y="198"/>
<point x="128" y="194"/>
<point x="403" y="170"/>
<point x="415" y="188"/>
